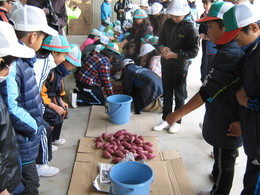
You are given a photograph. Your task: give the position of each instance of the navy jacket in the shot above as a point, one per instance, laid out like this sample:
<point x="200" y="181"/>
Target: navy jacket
<point x="3" y="15"/>
<point x="219" y="94"/>
<point x="250" y="117"/>
<point x="144" y="81"/>
<point x="20" y="93"/>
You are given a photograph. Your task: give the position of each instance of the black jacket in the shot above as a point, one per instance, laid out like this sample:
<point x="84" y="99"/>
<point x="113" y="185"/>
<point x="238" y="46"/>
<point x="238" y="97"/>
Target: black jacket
<point x="59" y="9"/>
<point x="250" y="117"/>
<point x="182" y="38"/>
<point x="219" y="94"/>
<point x="9" y="162"/>
<point x="144" y="81"/>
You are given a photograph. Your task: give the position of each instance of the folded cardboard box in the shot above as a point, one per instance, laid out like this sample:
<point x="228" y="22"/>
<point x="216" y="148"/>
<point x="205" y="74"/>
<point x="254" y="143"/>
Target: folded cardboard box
<point x="170" y="176"/>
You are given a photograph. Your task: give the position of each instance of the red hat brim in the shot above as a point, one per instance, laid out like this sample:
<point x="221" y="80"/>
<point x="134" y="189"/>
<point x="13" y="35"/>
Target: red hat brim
<point x="207" y="18"/>
<point x="228" y="36"/>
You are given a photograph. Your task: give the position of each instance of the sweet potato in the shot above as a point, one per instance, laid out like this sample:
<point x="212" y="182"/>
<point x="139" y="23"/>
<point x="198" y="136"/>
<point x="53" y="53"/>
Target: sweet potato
<point x="148" y="144"/>
<point x="104" y="136"/>
<point x="110" y="151"/>
<point x="99" y="139"/>
<point x="127" y="145"/>
<point x="105" y="145"/>
<point x="142" y="157"/>
<point x="141" y="137"/>
<point x="120" y="137"/>
<point x="106" y="154"/>
<point x="150" y="155"/>
<point x="116" y="160"/>
<point x="147" y="148"/>
<point x="99" y="145"/>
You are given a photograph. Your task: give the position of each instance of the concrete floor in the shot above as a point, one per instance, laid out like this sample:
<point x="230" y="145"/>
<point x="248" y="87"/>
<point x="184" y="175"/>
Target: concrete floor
<point x="188" y="142"/>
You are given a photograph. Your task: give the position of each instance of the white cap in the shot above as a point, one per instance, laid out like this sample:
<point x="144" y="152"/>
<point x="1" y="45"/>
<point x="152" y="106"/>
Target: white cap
<point x="118" y="29"/>
<point x="144" y="3"/>
<point x="10" y="45"/>
<point x="156" y="8"/>
<point x="149" y="11"/>
<point x="145" y="49"/>
<point x="30" y="18"/>
<point x="135" y="7"/>
<point x="104" y="39"/>
<point x="178" y="8"/>
<point x="127" y="62"/>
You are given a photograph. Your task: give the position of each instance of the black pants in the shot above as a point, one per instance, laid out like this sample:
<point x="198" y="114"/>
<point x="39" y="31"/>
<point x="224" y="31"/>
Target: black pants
<point x="30" y="179"/>
<point x="45" y="148"/>
<point x="251" y="179"/>
<point x="223" y="170"/>
<point x="89" y="95"/>
<point x="174" y="76"/>
<point x="56" y="132"/>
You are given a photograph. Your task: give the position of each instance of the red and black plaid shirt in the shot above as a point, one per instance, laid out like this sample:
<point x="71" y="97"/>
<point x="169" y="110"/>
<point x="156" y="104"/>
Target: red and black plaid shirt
<point x="96" y="72"/>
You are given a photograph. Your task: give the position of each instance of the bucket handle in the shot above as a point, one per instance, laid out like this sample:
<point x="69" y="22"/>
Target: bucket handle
<point x="116" y="112"/>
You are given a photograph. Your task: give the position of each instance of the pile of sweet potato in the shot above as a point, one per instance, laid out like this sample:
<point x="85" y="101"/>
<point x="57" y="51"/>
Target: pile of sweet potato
<point x="117" y="145"/>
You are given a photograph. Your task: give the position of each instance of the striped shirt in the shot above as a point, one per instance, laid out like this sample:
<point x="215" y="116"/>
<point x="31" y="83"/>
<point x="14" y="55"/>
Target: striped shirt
<point x="96" y="72"/>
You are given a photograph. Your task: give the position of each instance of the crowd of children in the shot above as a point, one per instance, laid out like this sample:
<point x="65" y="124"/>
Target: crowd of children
<point x="149" y="48"/>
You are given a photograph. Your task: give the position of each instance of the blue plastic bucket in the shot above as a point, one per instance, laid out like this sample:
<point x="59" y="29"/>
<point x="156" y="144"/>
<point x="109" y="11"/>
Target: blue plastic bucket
<point x="119" y="107"/>
<point x="130" y="178"/>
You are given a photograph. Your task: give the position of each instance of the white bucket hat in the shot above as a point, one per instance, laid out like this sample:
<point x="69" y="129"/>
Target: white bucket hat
<point x="30" y="18"/>
<point x="149" y="10"/>
<point x="10" y="45"/>
<point x="145" y="49"/>
<point x="104" y="39"/>
<point x="156" y="8"/>
<point x="144" y="3"/>
<point x="178" y="8"/>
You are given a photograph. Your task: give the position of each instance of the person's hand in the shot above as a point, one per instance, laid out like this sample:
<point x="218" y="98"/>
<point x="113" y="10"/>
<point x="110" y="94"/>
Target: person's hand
<point x="173" y="117"/>
<point x="59" y="110"/>
<point x="121" y="11"/>
<point x="5" y="192"/>
<point x="242" y="97"/>
<point x="64" y="104"/>
<point x="204" y="37"/>
<point x="234" y="129"/>
<point x="169" y="55"/>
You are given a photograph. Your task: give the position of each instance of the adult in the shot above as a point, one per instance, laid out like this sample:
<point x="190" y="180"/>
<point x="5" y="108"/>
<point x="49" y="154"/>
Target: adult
<point x="123" y="10"/>
<point x="55" y="11"/>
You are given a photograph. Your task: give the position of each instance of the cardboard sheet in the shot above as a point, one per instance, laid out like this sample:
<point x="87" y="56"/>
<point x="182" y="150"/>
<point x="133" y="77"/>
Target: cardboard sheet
<point x="170" y="175"/>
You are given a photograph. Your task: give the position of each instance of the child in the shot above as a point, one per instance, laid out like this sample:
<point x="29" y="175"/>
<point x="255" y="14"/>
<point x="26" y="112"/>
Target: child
<point x="10" y="168"/>
<point x="178" y="42"/>
<point x="141" y="27"/>
<point x="21" y="94"/>
<point x="221" y="120"/>
<point x="151" y="59"/>
<point x="94" y="75"/>
<point x="5" y="8"/>
<point x="142" y="84"/>
<point x="242" y="23"/>
<point x="92" y="38"/>
<point x="53" y="88"/>
<point x="106" y="11"/>
<point x="208" y="50"/>
<point x="158" y="19"/>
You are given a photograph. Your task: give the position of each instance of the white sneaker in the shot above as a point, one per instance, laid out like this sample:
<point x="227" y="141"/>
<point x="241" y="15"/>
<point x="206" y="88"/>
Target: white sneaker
<point x="174" y="128"/>
<point x="73" y="98"/>
<point x="161" y="126"/>
<point x="59" y="142"/>
<point x="54" y="148"/>
<point x="46" y="170"/>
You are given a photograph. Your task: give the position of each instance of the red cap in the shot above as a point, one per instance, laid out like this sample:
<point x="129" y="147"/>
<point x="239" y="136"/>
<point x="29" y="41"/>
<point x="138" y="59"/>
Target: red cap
<point x="228" y="36"/>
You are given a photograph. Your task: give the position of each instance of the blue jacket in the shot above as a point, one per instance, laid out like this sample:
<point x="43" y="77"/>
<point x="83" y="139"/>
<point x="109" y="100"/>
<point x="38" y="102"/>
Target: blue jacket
<point x="106" y="10"/>
<point x="21" y="96"/>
